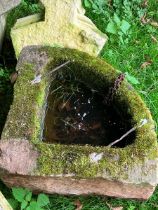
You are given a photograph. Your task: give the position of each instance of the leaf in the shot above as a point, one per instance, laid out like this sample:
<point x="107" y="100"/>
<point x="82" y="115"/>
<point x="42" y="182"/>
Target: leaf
<point x="144" y="3"/>
<point x="34" y="206"/>
<point x="95" y="7"/>
<point x="117" y="208"/>
<point x="2" y="72"/>
<point x="95" y="157"/>
<point x="111" y="28"/>
<point x="124" y="26"/>
<point x="19" y="194"/>
<point x="154" y="39"/>
<point x="145" y="64"/>
<point x="43" y="200"/>
<point x="37" y="79"/>
<point x="24" y="204"/>
<point x="14" y="203"/>
<point x="28" y="196"/>
<point x="116" y="19"/>
<point x="13" y="77"/>
<point x="87" y="4"/>
<point x="78" y="205"/>
<point x="131" y="79"/>
<point x="144" y="20"/>
<point x="131" y="208"/>
<point x="154" y="23"/>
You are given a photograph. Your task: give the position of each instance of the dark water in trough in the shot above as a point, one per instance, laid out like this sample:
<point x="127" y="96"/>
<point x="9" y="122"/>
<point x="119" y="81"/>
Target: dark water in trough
<point x="76" y="114"/>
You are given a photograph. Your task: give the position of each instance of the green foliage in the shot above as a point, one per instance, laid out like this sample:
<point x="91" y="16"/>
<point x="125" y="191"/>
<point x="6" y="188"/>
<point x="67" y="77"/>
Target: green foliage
<point x="4" y="74"/>
<point x="131" y="79"/>
<point x="118" y="27"/>
<point x="4" y="78"/>
<point x="115" y="17"/>
<point x="23" y="199"/>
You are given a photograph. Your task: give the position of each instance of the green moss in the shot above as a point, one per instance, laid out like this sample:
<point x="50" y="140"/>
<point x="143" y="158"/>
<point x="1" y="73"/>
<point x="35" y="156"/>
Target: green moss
<point x="56" y="159"/>
<point x="28" y="100"/>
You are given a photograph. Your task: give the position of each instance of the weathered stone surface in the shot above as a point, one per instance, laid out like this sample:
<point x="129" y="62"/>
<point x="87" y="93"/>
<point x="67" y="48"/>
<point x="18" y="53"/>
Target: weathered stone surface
<point x="4" y="205"/>
<point x="71" y="186"/>
<point x="64" y="25"/>
<point x="17" y="157"/>
<point x="6" y="5"/>
<point x="123" y="172"/>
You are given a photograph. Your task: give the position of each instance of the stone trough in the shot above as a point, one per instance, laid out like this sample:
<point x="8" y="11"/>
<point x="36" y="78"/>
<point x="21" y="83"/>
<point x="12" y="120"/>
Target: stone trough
<point x="34" y="155"/>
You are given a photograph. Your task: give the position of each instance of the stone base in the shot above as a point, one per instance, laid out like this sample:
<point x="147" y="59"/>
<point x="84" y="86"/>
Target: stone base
<point x="69" y="186"/>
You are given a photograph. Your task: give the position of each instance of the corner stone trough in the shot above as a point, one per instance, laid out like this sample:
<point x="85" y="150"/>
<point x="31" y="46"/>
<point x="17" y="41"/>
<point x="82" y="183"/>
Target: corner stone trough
<point x="64" y="25"/>
<point x="27" y="161"/>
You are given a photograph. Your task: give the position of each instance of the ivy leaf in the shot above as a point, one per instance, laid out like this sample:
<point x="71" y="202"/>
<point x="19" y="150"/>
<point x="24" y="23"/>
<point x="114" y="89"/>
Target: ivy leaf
<point x="24" y="204"/>
<point x="131" y="79"/>
<point x="124" y="26"/>
<point x="28" y="196"/>
<point x="111" y="28"/>
<point x="43" y="200"/>
<point x="34" y="206"/>
<point x="87" y="4"/>
<point x="19" y="194"/>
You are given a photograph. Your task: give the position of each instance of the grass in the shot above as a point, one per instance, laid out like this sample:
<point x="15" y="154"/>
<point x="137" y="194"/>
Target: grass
<point x="130" y="45"/>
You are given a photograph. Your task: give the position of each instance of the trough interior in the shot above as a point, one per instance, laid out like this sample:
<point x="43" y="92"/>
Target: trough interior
<point x="78" y="113"/>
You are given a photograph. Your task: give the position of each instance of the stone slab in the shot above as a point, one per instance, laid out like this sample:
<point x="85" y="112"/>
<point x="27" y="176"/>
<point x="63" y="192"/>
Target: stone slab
<point x="64" y="25"/>
<point x="130" y="172"/>
<point x="6" y="5"/>
<point x="4" y="205"/>
<point x="69" y="186"/>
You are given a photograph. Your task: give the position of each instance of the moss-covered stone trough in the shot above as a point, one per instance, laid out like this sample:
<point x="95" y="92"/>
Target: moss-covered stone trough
<point x="127" y="170"/>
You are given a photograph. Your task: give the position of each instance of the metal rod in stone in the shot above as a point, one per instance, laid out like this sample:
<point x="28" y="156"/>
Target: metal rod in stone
<point x="57" y="68"/>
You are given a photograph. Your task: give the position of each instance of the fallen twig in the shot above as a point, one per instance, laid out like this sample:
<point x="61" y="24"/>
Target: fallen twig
<point x="57" y="68"/>
<point x="142" y="122"/>
<point x="122" y="137"/>
<point x="38" y="77"/>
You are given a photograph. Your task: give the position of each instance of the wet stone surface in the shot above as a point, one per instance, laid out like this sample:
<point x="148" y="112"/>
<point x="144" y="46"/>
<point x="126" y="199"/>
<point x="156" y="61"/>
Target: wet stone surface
<point x="76" y="114"/>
